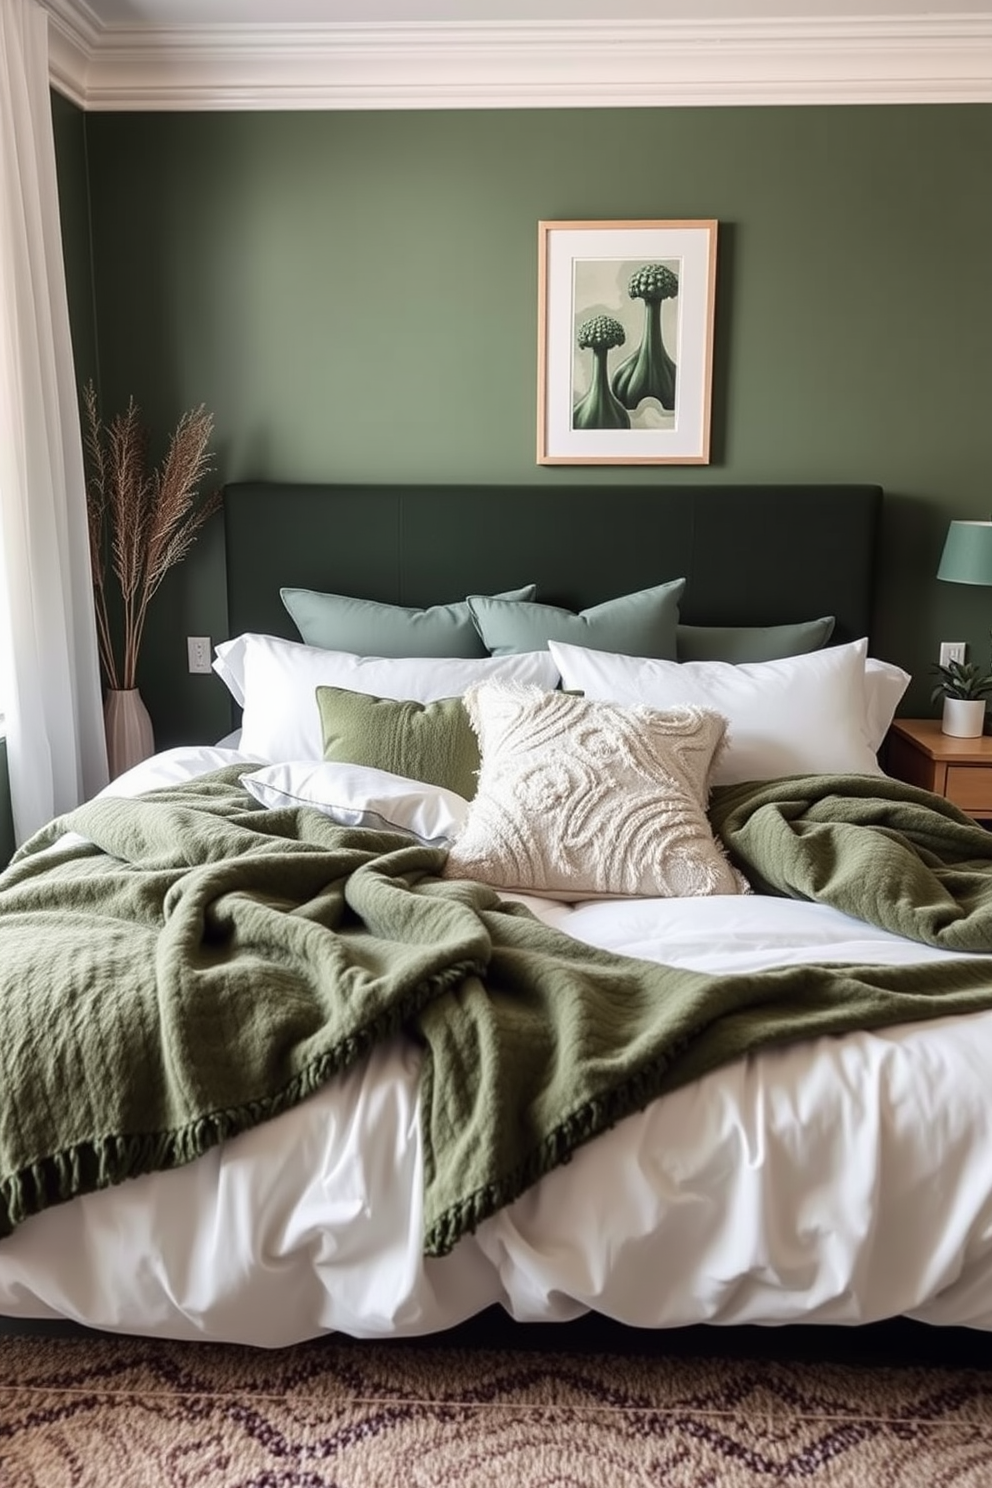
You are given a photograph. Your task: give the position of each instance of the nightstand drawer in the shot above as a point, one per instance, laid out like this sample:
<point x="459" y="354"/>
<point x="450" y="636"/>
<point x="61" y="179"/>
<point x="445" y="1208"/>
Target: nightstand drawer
<point x="919" y="752"/>
<point x="970" y="787"/>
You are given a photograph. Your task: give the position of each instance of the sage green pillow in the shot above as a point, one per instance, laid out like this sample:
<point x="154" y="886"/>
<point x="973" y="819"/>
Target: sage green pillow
<point x="338" y="622"/>
<point x="739" y="643"/>
<point x="641" y="624"/>
<point x="432" y="742"/>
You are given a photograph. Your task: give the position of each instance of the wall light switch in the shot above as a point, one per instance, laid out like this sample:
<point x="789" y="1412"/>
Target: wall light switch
<point x="949" y="651"/>
<point x="198" y="651"/>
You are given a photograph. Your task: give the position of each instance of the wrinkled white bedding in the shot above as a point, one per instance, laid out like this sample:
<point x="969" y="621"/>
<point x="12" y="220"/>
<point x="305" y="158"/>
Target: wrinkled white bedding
<point x="840" y="1180"/>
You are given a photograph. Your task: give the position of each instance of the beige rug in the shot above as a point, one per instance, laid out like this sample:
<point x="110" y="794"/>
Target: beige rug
<point x="105" y="1413"/>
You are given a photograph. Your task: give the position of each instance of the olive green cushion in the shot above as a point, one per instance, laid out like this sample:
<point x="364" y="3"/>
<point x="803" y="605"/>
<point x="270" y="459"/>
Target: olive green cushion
<point x="640" y="624"/>
<point x="432" y="742"/>
<point x="741" y="643"/>
<point x="339" y="622"/>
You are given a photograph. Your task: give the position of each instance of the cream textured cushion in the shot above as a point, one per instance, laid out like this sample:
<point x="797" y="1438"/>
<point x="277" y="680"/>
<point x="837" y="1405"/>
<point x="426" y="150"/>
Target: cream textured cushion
<point x="579" y="799"/>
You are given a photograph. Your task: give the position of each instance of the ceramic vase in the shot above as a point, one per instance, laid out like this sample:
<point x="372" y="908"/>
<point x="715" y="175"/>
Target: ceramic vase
<point x="964" y="718"/>
<point x="129" y="730"/>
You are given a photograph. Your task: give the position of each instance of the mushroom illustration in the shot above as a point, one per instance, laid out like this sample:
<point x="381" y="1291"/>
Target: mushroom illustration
<point x="649" y="372"/>
<point x="599" y="409"/>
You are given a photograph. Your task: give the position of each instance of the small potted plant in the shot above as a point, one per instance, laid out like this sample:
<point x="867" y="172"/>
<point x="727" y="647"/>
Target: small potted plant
<point x="964" y="687"/>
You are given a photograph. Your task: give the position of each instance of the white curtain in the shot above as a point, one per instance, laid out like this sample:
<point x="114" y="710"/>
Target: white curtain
<point x="56" y="746"/>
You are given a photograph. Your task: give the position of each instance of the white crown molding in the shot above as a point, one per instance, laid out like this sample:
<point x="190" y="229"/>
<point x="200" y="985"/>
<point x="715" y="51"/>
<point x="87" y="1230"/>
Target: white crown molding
<point x="530" y="65"/>
<point x="73" y="37"/>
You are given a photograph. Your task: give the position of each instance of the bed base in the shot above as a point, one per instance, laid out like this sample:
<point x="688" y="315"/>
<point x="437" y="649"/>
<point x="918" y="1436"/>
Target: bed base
<point x="900" y="1342"/>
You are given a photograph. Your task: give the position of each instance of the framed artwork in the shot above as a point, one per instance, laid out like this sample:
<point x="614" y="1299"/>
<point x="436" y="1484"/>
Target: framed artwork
<point x="625" y="342"/>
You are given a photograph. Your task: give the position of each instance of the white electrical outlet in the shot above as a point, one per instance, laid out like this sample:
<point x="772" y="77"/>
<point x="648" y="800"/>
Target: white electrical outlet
<point x="952" y="651"/>
<point x="198" y="651"/>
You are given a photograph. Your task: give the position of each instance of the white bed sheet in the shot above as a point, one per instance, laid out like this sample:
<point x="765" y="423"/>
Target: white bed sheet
<point x="839" y="1180"/>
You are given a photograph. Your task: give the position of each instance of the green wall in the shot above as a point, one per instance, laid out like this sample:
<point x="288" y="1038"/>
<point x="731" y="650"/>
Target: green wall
<point x="74" y="209"/>
<point x="353" y="296"/>
<point x="6" y="815"/>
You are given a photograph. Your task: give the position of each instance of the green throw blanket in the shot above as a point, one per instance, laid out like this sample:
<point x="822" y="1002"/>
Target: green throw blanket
<point x="199" y="964"/>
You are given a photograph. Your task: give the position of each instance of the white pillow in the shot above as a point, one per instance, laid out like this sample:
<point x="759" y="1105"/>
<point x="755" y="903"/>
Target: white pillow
<point x="798" y="716"/>
<point x="885" y="685"/>
<point x="357" y="796"/>
<point x="275" y="682"/>
<point x="580" y="799"/>
<point x="172" y="767"/>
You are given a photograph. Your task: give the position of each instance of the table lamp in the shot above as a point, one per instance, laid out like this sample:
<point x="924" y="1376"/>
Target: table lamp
<point x="967" y="559"/>
<point x="967" y="555"/>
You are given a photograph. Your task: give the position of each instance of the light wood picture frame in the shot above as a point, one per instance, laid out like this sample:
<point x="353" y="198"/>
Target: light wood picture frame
<point x="625" y="342"/>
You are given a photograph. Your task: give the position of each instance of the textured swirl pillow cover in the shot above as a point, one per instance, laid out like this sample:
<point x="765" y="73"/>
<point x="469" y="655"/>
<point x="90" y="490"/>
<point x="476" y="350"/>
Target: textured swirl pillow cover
<point x="579" y="799"/>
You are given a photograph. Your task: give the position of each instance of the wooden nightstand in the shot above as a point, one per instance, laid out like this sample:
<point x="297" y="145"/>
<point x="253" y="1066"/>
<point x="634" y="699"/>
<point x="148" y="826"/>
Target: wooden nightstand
<point x="959" y="769"/>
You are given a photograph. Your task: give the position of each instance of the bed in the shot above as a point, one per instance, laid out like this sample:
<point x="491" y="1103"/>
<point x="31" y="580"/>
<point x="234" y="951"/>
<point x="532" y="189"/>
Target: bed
<point x="813" y="1173"/>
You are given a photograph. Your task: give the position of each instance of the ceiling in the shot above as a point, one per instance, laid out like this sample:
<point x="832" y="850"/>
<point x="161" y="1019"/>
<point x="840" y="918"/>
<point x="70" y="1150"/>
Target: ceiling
<point x="195" y="54"/>
<point x="449" y="12"/>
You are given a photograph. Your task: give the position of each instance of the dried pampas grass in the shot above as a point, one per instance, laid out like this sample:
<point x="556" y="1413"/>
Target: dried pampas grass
<point x="145" y="520"/>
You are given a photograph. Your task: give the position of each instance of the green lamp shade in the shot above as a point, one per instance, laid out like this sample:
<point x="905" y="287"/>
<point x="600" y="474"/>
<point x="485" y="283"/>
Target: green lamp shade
<point x="967" y="555"/>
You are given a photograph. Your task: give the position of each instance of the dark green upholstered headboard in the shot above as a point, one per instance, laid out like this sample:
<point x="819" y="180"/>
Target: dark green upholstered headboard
<point x="752" y="555"/>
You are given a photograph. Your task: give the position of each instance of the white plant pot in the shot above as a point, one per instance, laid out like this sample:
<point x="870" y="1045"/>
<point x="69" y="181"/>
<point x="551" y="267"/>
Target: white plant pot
<point x="964" y="718"/>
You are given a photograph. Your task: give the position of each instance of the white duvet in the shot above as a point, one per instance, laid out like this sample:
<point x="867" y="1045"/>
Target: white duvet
<point x="837" y="1181"/>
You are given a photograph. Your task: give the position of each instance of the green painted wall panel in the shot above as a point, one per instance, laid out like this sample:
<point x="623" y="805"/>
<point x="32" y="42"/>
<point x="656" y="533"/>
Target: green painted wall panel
<point x="6" y="815"/>
<point x="354" y="297"/>
<point x="69" y="127"/>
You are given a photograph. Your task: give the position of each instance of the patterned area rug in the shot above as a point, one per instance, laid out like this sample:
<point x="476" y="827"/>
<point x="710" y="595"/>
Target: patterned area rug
<point x="107" y="1413"/>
